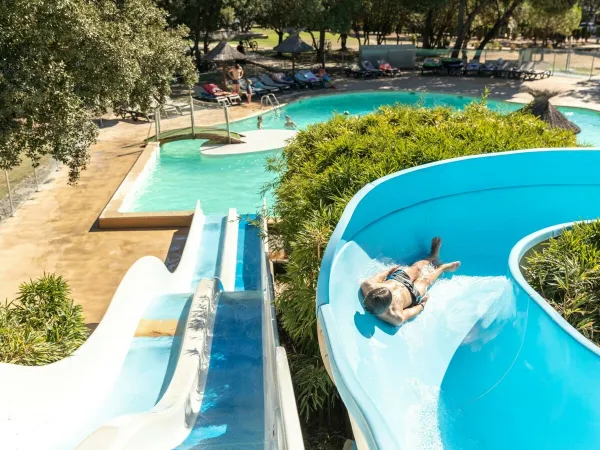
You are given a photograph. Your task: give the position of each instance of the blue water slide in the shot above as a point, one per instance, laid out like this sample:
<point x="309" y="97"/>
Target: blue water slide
<point x="488" y="364"/>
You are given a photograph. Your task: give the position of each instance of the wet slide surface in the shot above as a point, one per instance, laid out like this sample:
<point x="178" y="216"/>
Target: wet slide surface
<point x="488" y="364"/>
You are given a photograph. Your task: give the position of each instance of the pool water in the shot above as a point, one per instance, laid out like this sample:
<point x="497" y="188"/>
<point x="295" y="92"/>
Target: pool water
<point x="182" y="175"/>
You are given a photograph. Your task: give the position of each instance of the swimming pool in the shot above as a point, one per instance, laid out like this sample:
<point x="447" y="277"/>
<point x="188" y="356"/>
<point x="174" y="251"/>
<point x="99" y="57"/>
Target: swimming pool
<point x="183" y="175"/>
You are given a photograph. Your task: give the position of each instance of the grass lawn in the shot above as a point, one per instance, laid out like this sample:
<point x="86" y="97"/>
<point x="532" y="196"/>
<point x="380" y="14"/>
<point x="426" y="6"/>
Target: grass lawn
<point x="16" y="175"/>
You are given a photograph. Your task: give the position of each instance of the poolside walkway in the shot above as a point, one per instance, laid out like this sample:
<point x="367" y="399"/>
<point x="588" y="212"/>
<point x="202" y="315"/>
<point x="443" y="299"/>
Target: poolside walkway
<point x="56" y="231"/>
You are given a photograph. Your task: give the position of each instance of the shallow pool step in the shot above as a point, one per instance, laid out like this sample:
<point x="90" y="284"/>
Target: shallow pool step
<point x="232" y="409"/>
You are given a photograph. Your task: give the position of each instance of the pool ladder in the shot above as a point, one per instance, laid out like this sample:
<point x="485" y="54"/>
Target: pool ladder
<point x="269" y="99"/>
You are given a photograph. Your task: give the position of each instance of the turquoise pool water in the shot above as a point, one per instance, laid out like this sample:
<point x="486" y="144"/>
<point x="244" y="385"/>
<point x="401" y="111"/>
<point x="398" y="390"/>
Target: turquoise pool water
<point x="182" y="175"/>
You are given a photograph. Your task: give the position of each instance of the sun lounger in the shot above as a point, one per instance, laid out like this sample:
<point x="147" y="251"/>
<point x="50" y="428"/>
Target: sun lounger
<point x="523" y="70"/>
<point x="535" y="70"/>
<point x="256" y="90"/>
<point x="256" y="83"/>
<point x="370" y="68"/>
<point x="387" y="68"/>
<point x="356" y="71"/>
<point x="454" y="66"/>
<point x="431" y="65"/>
<point x="472" y="68"/>
<point x="179" y="105"/>
<point x="505" y="69"/>
<point x="267" y="81"/>
<point x="312" y="78"/>
<point x="283" y="79"/>
<point x="166" y="108"/>
<point x="490" y="67"/>
<point x="133" y="112"/>
<point x="215" y="90"/>
<point x="304" y="80"/>
<point x="202" y="94"/>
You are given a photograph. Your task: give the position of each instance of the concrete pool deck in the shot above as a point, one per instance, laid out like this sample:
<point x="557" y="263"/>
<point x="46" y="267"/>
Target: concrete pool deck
<point x="56" y="230"/>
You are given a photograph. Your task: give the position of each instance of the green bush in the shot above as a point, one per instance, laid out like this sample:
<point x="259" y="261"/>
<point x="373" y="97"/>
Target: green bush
<point x="566" y="272"/>
<point x="326" y="164"/>
<point x="42" y="325"/>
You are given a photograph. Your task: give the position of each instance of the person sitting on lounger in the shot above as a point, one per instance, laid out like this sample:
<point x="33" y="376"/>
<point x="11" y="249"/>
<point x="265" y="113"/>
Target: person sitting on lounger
<point x="289" y="123"/>
<point x="399" y="294"/>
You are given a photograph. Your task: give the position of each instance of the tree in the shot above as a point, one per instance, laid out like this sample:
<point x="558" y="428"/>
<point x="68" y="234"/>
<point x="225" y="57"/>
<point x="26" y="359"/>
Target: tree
<point x="247" y="12"/>
<point x="472" y="10"/>
<point x="551" y="23"/>
<point x="202" y="17"/>
<point x="63" y="61"/>
<point x="282" y="16"/>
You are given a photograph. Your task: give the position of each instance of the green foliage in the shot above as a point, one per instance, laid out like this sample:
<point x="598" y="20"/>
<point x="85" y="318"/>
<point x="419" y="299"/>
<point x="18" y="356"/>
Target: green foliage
<point x="566" y="272"/>
<point x="42" y="325"/>
<point x="326" y="164"/>
<point x="65" y="61"/>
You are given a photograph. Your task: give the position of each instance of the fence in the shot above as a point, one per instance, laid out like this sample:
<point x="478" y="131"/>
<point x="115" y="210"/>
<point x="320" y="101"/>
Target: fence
<point x="18" y="184"/>
<point x="563" y="62"/>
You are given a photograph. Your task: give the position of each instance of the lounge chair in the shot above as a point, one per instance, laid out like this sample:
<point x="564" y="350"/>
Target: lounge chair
<point x="134" y="112"/>
<point x="431" y="65"/>
<point x="490" y="67"/>
<point x="454" y="66"/>
<point x="523" y="70"/>
<point x="256" y="90"/>
<point x="201" y="94"/>
<point x="267" y="81"/>
<point x="472" y="68"/>
<point x="283" y="79"/>
<point x="356" y="71"/>
<point x="312" y="78"/>
<point x="387" y="68"/>
<point x="505" y="69"/>
<point x="215" y="90"/>
<point x="179" y="105"/>
<point x="304" y="80"/>
<point x="539" y="69"/>
<point x="256" y="83"/>
<point x="370" y="68"/>
<point x="166" y="108"/>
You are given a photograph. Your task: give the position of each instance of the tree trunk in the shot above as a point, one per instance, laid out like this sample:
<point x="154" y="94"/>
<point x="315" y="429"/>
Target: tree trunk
<point x="428" y="30"/>
<point x="466" y="30"/>
<point x="460" y="31"/>
<point x="344" y="39"/>
<point x="321" y="52"/>
<point x="280" y="39"/>
<point x="493" y="32"/>
<point x="206" y="41"/>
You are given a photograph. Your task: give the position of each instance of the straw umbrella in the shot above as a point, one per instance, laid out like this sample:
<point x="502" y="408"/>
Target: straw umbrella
<point x="293" y="44"/>
<point x="224" y="53"/>
<point x="542" y="108"/>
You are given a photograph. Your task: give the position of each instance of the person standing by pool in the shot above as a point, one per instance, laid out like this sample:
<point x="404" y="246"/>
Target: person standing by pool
<point x="399" y="294"/>
<point x="249" y="90"/>
<point x="236" y="73"/>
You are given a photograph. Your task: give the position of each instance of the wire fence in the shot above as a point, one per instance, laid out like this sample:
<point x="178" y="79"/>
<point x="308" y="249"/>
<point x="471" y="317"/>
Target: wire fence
<point x="19" y="184"/>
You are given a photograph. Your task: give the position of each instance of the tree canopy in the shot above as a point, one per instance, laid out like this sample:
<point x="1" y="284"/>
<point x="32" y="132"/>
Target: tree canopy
<point x="64" y="61"/>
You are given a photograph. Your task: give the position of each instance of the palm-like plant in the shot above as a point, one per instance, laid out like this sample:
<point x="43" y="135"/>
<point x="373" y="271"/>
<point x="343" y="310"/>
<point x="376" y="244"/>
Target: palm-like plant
<point x="542" y="108"/>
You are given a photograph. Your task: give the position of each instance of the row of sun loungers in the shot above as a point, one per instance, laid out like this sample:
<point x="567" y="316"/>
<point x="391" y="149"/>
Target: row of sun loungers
<point x="366" y="69"/>
<point x="265" y="84"/>
<point x="510" y="69"/>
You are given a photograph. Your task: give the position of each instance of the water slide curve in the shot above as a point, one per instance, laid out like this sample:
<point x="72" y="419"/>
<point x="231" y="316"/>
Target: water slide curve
<point x="488" y="364"/>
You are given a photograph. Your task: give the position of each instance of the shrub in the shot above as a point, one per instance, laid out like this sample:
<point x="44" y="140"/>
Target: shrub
<point x="565" y="270"/>
<point x="42" y="325"/>
<point x="326" y="164"/>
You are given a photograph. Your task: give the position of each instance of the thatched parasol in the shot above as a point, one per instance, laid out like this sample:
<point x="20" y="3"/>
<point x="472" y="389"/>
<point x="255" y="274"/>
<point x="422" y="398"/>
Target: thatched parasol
<point x="542" y="108"/>
<point x="293" y="44"/>
<point x="224" y="53"/>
